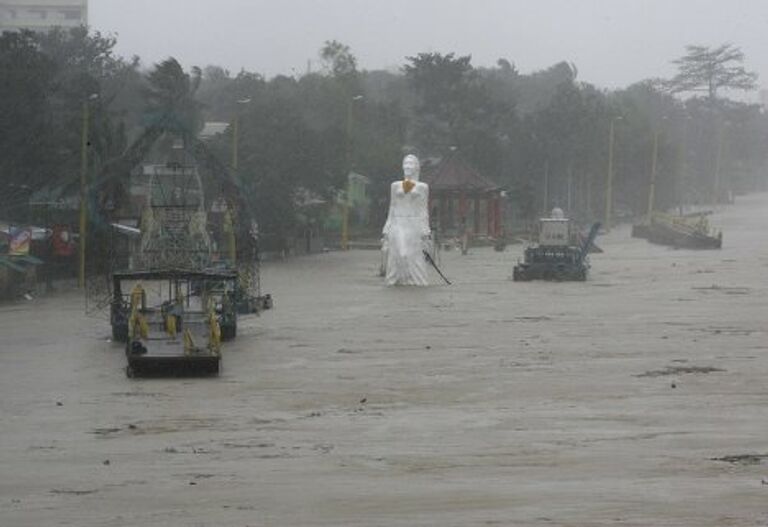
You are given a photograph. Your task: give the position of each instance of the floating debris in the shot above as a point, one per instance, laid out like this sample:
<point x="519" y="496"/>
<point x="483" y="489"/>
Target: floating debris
<point x="679" y="370"/>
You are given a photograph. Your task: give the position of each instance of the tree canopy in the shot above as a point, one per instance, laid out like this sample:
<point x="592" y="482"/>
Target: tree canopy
<point x="542" y="135"/>
<point x="709" y="70"/>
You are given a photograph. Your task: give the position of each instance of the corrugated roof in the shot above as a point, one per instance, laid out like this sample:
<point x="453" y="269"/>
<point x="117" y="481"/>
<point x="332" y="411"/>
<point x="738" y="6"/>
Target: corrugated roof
<point x="213" y="128"/>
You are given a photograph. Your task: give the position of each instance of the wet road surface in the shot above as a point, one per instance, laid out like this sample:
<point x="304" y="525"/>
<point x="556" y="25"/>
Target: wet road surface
<point x="636" y="398"/>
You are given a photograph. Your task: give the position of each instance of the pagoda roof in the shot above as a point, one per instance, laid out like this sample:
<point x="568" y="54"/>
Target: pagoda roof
<point x="453" y="174"/>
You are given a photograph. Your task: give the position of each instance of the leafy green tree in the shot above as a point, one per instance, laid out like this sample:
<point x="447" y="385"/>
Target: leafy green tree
<point x="442" y="85"/>
<point x="455" y="109"/>
<point x="46" y="80"/>
<point x="281" y="159"/>
<point x="536" y="90"/>
<point x="86" y="68"/>
<point x="26" y="146"/>
<point x="648" y="115"/>
<point x="213" y="91"/>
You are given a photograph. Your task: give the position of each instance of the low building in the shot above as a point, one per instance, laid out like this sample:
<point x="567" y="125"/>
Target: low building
<point x="211" y="129"/>
<point x="42" y="15"/>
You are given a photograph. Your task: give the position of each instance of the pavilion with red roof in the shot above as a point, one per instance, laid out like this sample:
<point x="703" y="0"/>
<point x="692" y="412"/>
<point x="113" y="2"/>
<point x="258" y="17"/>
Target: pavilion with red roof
<point x="459" y="195"/>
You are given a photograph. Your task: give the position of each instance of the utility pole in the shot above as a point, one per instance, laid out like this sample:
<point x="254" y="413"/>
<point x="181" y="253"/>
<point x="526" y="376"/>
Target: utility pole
<point x="609" y="182"/>
<point x="236" y="133"/>
<point x="682" y="167"/>
<point x="719" y="161"/>
<point x="546" y="187"/>
<point x="231" y="212"/>
<point x="654" y="161"/>
<point x="235" y="136"/>
<point x="345" y="203"/>
<point x="84" y="144"/>
<point x="588" y="199"/>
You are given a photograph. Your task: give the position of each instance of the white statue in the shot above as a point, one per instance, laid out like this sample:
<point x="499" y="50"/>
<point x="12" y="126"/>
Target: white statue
<point x="406" y="234"/>
<point x="557" y="213"/>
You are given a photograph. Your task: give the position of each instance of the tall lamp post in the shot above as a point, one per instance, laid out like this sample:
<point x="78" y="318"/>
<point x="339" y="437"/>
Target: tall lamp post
<point x="231" y="241"/>
<point x="84" y="145"/>
<point x="654" y="165"/>
<point x="682" y="166"/>
<point x="236" y="133"/>
<point x="546" y="186"/>
<point x="719" y="160"/>
<point x="345" y="211"/>
<point x="609" y="181"/>
<point x="654" y="161"/>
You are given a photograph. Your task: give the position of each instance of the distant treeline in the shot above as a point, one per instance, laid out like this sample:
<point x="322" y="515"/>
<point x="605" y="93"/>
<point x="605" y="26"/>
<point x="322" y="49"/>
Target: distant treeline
<point x="302" y="134"/>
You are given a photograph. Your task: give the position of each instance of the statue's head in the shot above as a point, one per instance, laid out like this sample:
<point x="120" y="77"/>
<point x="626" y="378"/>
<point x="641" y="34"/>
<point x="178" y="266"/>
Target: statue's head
<point x="411" y="167"/>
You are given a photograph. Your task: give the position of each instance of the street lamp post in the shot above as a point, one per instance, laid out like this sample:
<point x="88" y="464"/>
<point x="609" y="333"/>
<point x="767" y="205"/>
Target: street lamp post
<point x="719" y="161"/>
<point x="682" y="166"/>
<point x="609" y="182"/>
<point x="546" y="186"/>
<point x="654" y="162"/>
<point x="236" y="133"/>
<point x="654" y="172"/>
<point x="84" y="144"/>
<point x="345" y="203"/>
<point x="231" y="242"/>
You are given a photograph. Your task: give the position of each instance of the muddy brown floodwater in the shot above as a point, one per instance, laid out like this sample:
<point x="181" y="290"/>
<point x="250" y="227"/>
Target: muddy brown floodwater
<point x="637" y="398"/>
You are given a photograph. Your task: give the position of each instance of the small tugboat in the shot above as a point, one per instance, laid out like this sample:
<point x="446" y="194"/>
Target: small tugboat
<point x="556" y="256"/>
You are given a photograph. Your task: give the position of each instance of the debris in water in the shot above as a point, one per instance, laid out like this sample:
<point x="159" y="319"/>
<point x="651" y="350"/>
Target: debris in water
<point x="677" y="370"/>
<point x="743" y="459"/>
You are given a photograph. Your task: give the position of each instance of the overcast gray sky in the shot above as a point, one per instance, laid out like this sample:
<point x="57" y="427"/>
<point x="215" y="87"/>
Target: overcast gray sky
<point x="613" y="43"/>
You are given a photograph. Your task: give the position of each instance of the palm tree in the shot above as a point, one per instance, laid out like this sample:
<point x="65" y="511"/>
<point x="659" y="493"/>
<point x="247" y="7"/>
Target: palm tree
<point x="170" y="99"/>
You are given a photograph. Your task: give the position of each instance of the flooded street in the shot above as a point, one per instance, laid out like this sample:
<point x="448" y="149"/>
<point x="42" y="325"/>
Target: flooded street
<point x="636" y="398"/>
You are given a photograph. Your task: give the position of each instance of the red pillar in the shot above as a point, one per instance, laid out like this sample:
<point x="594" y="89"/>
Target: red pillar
<point x="462" y="210"/>
<point x="489" y="212"/>
<point x="444" y="220"/>
<point x="499" y="225"/>
<point x="477" y="216"/>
